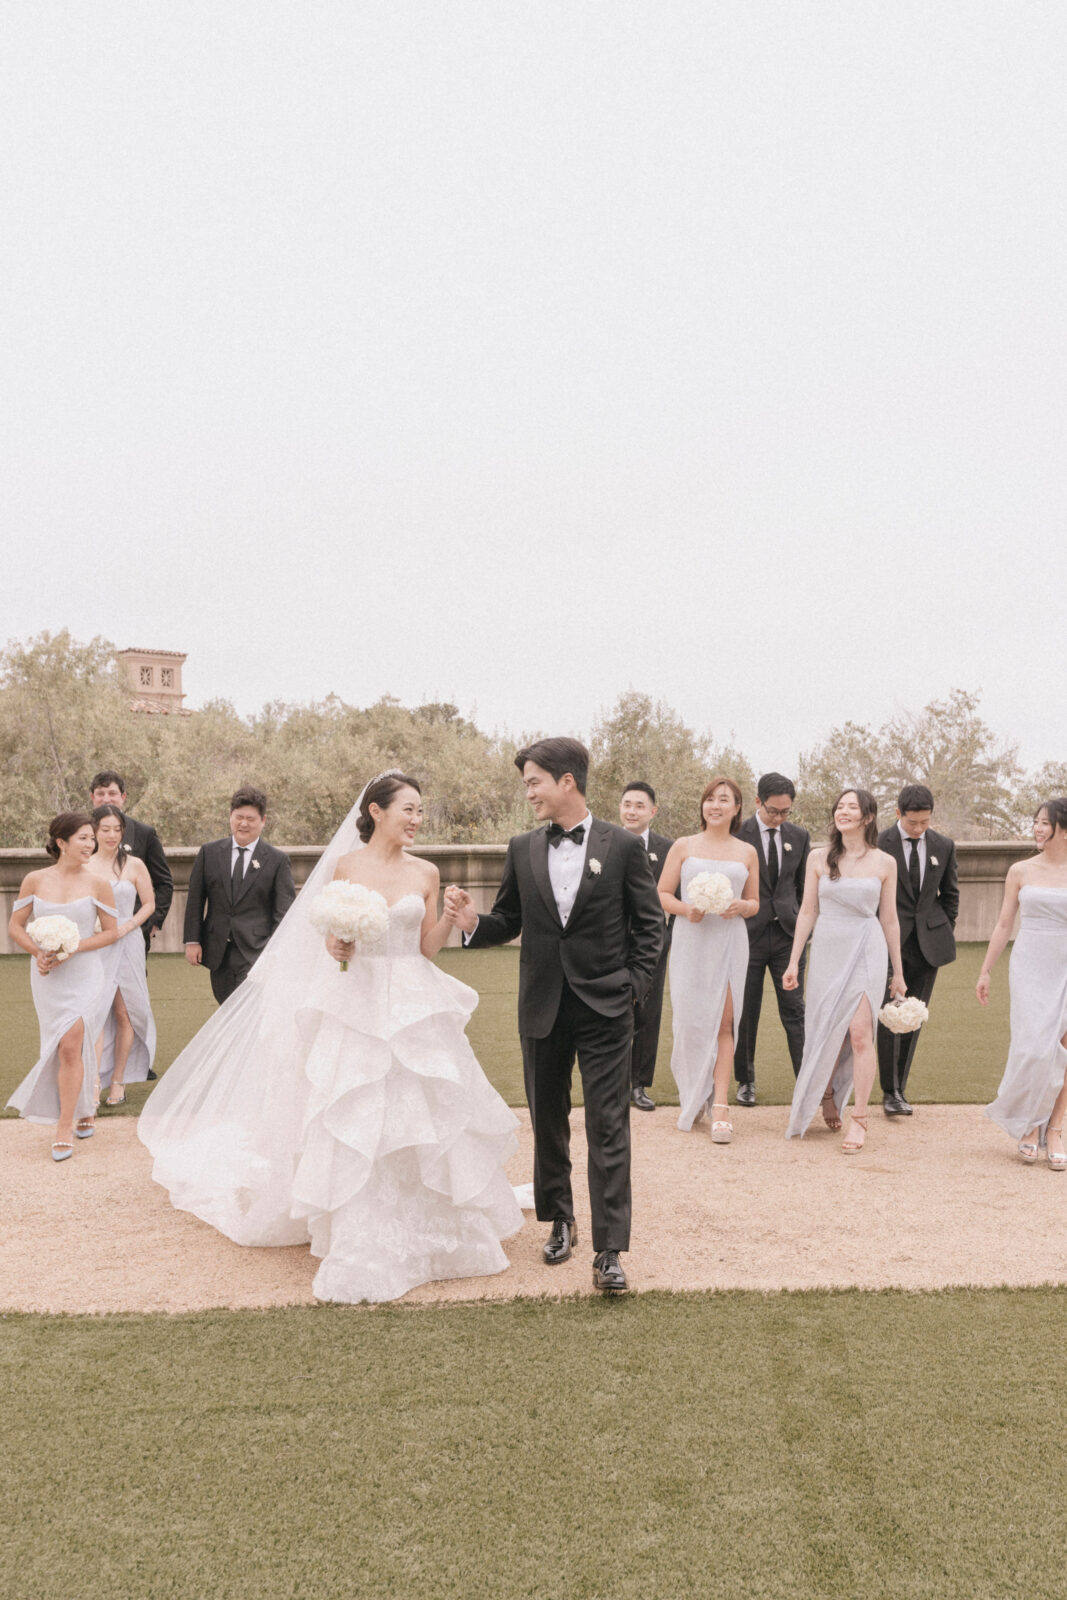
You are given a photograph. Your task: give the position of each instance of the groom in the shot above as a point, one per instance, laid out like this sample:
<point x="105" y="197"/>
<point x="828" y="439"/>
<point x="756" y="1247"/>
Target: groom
<point x="582" y="895"/>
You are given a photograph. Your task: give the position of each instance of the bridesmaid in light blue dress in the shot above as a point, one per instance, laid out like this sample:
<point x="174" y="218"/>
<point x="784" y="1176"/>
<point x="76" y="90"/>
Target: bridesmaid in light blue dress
<point x="709" y="957"/>
<point x="69" y="996"/>
<point x="127" y="1046"/>
<point x="1032" y="1097"/>
<point x="850" y="899"/>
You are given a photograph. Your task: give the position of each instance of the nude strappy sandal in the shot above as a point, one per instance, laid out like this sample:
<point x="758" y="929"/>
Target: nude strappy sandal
<point x="849" y="1147"/>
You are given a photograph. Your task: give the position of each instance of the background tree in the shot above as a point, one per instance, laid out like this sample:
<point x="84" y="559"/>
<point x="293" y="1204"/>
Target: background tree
<point x="643" y="738"/>
<point x="1047" y="782"/>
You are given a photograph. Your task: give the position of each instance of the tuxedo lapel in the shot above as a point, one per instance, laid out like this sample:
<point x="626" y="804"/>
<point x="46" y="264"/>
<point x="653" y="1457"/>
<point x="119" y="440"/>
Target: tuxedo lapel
<point x="598" y="848"/>
<point x="539" y="869"/>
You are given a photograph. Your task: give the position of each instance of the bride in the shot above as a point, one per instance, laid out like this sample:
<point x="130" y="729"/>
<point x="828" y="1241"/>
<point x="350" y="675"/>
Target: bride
<point x="346" y="1107"/>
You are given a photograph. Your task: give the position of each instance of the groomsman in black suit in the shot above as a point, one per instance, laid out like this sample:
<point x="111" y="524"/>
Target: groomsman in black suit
<point x="581" y="893"/>
<point x="108" y="788"/>
<point x="783" y="849"/>
<point x="637" y="808"/>
<point x="239" y="890"/>
<point x="928" y="903"/>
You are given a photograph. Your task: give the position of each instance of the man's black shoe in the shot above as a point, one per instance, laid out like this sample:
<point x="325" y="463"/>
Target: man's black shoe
<point x="640" y="1098"/>
<point x="895" y="1105"/>
<point x="608" y="1275"/>
<point x="560" y="1242"/>
<point x="746" y="1094"/>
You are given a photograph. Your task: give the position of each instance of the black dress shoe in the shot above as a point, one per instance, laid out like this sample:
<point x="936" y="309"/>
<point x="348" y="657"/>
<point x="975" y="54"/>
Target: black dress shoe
<point x="895" y="1105"/>
<point x="905" y="1105"/>
<point x="560" y="1242"/>
<point x="746" y="1094"/>
<point x="608" y="1275"/>
<point x="640" y="1098"/>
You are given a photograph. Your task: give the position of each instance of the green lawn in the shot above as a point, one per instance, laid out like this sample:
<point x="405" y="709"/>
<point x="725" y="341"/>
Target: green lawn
<point x="960" y="1058"/>
<point x="736" y="1445"/>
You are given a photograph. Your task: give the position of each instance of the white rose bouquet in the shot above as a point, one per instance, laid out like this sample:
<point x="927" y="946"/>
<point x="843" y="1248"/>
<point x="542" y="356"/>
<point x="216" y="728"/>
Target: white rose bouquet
<point x="903" y="1016"/>
<point x="710" y="891"/>
<point x="58" y="936"/>
<point x="353" y="913"/>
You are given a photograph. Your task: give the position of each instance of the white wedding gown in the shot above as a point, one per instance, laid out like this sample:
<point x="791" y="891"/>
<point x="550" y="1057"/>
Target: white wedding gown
<point x="348" y="1110"/>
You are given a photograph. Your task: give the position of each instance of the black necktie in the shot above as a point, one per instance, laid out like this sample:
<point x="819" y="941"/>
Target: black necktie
<point x="237" y="876"/>
<point x="556" y="833"/>
<point x="913" y="867"/>
<point x="772" y="857"/>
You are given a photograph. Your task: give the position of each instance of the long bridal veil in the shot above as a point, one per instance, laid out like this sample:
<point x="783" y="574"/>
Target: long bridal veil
<point x="224" y="1123"/>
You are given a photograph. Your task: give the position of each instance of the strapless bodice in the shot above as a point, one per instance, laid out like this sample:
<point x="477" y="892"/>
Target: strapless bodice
<point x="736" y="871"/>
<point x="402" y="935"/>
<point x="849" y="897"/>
<point x="1042" y="909"/>
<point x="125" y="897"/>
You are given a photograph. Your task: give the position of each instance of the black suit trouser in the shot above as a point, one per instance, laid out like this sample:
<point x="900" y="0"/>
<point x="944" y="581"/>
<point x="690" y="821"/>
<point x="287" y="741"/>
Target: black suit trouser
<point x="602" y="1046"/>
<point x="232" y="971"/>
<point x="896" y="1051"/>
<point x="647" y="1018"/>
<point x="769" y="951"/>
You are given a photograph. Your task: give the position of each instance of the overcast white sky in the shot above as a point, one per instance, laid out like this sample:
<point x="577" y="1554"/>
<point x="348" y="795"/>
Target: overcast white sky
<point x="522" y="354"/>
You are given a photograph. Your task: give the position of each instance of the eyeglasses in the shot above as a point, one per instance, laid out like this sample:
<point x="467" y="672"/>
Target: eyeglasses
<point x="781" y="812"/>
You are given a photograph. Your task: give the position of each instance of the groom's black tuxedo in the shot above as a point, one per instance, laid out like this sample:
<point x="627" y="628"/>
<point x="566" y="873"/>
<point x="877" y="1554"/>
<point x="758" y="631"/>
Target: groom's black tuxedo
<point x="230" y="926"/>
<point x="770" y="944"/>
<point x="927" y="939"/>
<point x="577" y="988"/>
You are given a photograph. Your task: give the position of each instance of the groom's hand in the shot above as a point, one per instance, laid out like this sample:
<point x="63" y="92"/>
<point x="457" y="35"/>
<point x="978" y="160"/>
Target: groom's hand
<point x="459" y="909"/>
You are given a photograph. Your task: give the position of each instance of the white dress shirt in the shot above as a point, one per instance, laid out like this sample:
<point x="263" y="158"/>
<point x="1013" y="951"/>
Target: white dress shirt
<point x="566" y="863"/>
<point x="249" y="850"/>
<point x="908" y="842"/>
<point x="765" y="840"/>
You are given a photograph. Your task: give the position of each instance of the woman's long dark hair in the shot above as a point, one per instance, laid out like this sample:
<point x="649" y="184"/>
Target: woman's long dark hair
<point x="869" y="808"/>
<point x="109" y="809"/>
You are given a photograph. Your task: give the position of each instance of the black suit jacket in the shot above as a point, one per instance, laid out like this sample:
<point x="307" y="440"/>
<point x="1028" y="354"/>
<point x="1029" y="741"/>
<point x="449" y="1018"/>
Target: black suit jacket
<point x="657" y="852"/>
<point x="789" y="890"/>
<point x="142" y="841"/>
<point x="932" y="918"/>
<point x="212" y="918"/>
<point x="611" y="945"/>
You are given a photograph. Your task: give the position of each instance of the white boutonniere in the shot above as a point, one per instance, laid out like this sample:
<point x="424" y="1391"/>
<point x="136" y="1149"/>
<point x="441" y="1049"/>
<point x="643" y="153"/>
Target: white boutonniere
<point x="933" y="861"/>
<point x="652" y="856"/>
<point x="255" y="863"/>
<point x="127" y="849"/>
<point x="594" y="867"/>
<point x="787" y="846"/>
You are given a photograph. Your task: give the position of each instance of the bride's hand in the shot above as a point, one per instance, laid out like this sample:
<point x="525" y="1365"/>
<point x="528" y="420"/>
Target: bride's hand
<point x="339" y="949"/>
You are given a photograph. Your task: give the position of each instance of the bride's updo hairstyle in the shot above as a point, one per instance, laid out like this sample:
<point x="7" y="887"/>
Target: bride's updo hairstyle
<point x="1056" y="811"/>
<point x="64" y="827"/>
<point x="381" y="793"/>
<point x="868" y="810"/>
<point x="709" y="790"/>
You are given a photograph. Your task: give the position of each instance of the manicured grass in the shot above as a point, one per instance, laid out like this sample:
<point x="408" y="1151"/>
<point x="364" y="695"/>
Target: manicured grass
<point x="734" y="1445"/>
<point x="960" y="1056"/>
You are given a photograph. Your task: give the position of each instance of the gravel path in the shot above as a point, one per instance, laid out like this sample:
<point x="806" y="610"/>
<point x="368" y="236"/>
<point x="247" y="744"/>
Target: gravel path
<point x="940" y="1199"/>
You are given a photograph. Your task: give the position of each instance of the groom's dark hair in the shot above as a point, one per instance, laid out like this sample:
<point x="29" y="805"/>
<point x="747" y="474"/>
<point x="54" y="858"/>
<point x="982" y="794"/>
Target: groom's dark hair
<point x="558" y="756"/>
<point x="914" y="797"/>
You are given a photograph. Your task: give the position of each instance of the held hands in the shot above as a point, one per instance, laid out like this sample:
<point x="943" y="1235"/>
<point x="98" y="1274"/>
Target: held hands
<point x="459" y="909"/>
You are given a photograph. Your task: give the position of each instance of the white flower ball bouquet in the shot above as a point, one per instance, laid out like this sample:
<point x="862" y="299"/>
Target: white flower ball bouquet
<point x="710" y="891"/>
<point x="58" y="936"/>
<point x="903" y="1016"/>
<point x="353" y="913"/>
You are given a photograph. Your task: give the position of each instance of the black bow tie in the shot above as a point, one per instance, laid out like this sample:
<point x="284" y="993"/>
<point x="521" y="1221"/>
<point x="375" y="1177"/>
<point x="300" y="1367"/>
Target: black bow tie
<point x="556" y="833"/>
